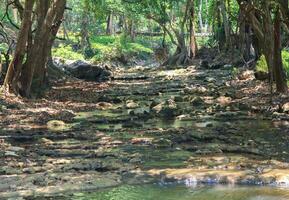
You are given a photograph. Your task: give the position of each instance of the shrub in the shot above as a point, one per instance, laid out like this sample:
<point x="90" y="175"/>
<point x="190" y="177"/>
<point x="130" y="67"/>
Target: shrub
<point x="262" y="65"/>
<point x="107" y="48"/>
<point x="66" y="52"/>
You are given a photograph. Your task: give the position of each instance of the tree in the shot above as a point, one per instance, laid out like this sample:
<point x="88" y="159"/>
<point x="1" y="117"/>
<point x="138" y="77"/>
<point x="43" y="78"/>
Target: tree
<point x="173" y="16"/>
<point x="267" y="30"/>
<point x="28" y="66"/>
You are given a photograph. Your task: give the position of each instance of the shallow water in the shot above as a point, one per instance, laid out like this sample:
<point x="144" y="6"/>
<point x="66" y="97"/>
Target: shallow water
<point x="183" y="192"/>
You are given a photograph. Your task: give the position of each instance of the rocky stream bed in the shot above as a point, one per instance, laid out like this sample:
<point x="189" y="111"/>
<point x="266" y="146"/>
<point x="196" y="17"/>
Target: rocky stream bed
<point x="147" y="125"/>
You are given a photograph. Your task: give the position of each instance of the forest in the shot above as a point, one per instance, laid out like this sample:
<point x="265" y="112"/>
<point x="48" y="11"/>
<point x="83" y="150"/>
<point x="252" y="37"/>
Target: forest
<point x="144" y="99"/>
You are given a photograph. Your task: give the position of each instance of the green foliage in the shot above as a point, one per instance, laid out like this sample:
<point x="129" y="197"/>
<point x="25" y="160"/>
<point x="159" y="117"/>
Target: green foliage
<point x="105" y="48"/>
<point x="111" y="47"/>
<point x="3" y="47"/>
<point x="285" y="58"/>
<point x="235" y="71"/>
<point x="66" y="52"/>
<point x="262" y="65"/>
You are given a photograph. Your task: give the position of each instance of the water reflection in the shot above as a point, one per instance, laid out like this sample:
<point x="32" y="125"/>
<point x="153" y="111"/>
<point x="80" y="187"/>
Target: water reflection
<point x="182" y="192"/>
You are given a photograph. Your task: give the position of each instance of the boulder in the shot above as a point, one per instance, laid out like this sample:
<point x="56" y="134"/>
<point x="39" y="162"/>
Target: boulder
<point x="195" y="90"/>
<point x="167" y="109"/>
<point x="245" y="75"/>
<point x="88" y="72"/>
<point x="285" y="107"/>
<point x="217" y="65"/>
<point x="222" y="100"/>
<point x="204" y="64"/>
<point x="162" y="143"/>
<point x="262" y="76"/>
<point x="197" y="101"/>
<point x="145" y="141"/>
<point x="210" y="80"/>
<point x="130" y="104"/>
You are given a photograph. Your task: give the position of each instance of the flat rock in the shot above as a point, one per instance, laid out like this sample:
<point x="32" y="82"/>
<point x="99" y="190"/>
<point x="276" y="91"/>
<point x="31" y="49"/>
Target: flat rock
<point x="285" y="107"/>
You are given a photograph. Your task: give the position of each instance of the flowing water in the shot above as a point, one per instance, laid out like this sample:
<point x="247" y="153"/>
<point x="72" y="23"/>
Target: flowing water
<point x="182" y="192"/>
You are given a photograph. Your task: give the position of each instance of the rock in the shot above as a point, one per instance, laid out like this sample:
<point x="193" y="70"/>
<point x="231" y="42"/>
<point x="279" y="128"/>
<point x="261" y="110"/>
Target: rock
<point x="15" y="149"/>
<point x="130" y="104"/>
<point x="9" y="170"/>
<point x="89" y="72"/>
<point x="210" y="80"/>
<point x="280" y="116"/>
<point x="262" y="76"/>
<point x="204" y="64"/>
<point x="248" y="74"/>
<point x="104" y="105"/>
<point x="145" y="141"/>
<point x="178" y="99"/>
<point x="197" y="101"/>
<point x="57" y="125"/>
<point x="46" y="141"/>
<point x="183" y="117"/>
<point x="285" y="107"/>
<point x="28" y="170"/>
<point x="135" y="158"/>
<point x="195" y="89"/>
<point x="204" y="124"/>
<point x="228" y="66"/>
<point x="140" y="111"/>
<point x="243" y="106"/>
<point x="66" y="115"/>
<point x="217" y="65"/>
<point x="132" y="124"/>
<point x="162" y="143"/>
<point x="227" y="114"/>
<point x="167" y="109"/>
<point x="10" y="154"/>
<point x="155" y="102"/>
<point x="222" y="100"/>
<point x="87" y="166"/>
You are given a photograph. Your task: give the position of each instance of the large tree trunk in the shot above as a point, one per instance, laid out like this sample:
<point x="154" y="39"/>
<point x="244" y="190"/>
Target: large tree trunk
<point x="278" y="71"/>
<point x="131" y="29"/>
<point x="268" y="32"/>
<point x="37" y="57"/>
<point x="245" y="38"/>
<point x="109" y="24"/>
<point x="200" y="15"/>
<point x="33" y="48"/>
<point x="193" y="41"/>
<point x="181" y="55"/>
<point x="15" y="66"/>
<point x="226" y="24"/>
<point x="84" y="42"/>
<point x="40" y="75"/>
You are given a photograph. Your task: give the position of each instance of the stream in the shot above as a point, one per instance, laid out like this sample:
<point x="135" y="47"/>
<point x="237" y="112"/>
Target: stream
<point x="155" y="129"/>
<point x="182" y="192"/>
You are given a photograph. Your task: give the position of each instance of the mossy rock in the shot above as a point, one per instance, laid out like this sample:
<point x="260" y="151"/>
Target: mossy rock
<point x="57" y="125"/>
